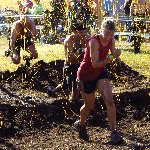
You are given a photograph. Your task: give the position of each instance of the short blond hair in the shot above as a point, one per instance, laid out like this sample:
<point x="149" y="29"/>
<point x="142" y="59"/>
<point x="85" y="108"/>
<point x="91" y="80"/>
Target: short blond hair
<point x="109" y="24"/>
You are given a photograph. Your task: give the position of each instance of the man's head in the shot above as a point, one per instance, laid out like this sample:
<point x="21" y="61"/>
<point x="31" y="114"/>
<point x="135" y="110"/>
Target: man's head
<point x="77" y="27"/>
<point x="36" y="1"/>
<point x="27" y="1"/>
<point x="108" y="28"/>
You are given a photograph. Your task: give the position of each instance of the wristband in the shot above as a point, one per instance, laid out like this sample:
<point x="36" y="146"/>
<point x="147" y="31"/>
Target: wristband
<point x="111" y="57"/>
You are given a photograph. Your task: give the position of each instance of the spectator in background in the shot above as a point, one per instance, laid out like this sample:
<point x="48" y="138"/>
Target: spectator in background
<point x="107" y="8"/>
<point x="23" y="7"/>
<point x="127" y="8"/>
<point x="37" y="8"/>
<point x="117" y="7"/>
<point x="57" y="13"/>
<point x="139" y="9"/>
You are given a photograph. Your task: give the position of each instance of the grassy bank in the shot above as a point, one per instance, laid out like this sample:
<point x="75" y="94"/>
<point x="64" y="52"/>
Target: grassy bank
<point x="47" y="53"/>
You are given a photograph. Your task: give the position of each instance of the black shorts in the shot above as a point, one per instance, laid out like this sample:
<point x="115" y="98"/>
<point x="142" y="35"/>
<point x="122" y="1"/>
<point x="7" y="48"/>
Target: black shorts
<point x="70" y="76"/>
<point x="89" y="87"/>
<point x="23" y="43"/>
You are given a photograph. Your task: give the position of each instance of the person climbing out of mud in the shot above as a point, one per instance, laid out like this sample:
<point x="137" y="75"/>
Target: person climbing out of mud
<point x="23" y="33"/>
<point x="74" y="45"/>
<point x="92" y="75"/>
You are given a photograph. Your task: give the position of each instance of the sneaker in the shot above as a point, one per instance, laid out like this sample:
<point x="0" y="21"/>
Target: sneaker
<point x="82" y="131"/>
<point x="115" y="138"/>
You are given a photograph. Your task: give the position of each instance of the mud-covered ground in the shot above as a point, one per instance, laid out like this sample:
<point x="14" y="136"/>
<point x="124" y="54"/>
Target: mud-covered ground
<point x="32" y="120"/>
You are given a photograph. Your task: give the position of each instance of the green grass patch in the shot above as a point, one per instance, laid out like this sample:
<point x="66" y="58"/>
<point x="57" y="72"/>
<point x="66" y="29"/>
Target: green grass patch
<point x="48" y="53"/>
<point x="139" y="62"/>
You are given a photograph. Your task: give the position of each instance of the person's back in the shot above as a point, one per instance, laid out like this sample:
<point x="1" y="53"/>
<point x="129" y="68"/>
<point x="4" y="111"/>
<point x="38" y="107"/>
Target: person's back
<point x="21" y="28"/>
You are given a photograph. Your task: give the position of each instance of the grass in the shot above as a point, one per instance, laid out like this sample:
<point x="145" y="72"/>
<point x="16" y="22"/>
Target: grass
<point x="139" y="62"/>
<point x="47" y="53"/>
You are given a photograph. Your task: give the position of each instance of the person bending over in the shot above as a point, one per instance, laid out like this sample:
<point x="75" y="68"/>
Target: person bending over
<point x="22" y="36"/>
<point x="74" y="45"/>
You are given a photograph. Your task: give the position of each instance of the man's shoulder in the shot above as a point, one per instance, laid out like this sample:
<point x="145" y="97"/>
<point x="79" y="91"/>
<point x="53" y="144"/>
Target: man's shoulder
<point x="94" y="39"/>
<point x="69" y="38"/>
<point x="87" y="36"/>
<point x="15" y="24"/>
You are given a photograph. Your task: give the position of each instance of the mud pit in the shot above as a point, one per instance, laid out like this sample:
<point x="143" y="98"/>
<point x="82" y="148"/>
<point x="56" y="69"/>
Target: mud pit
<point x="30" y="119"/>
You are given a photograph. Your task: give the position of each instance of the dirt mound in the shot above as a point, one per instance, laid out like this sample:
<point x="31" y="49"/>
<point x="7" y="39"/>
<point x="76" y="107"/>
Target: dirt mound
<point x="23" y="112"/>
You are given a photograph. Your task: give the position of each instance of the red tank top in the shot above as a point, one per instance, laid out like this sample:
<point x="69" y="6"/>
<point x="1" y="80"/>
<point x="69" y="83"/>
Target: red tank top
<point x="86" y="71"/>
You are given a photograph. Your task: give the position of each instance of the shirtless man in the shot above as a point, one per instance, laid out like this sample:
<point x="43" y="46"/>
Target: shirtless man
<point x="22" y="34"/>
<point x="74" y="45"/>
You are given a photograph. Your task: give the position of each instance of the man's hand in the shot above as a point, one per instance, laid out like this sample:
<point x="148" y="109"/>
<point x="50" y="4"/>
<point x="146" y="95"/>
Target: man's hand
<point x="116" y="53"/>
<point x="15" y="56"/>
<point x="118" y="60"/>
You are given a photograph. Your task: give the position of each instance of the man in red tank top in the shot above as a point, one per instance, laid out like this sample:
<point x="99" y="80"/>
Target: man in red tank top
<point x="92" y="75"/>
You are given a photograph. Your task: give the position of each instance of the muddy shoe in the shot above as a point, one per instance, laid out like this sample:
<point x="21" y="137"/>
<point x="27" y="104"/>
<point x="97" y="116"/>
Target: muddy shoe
<point x="82" y="131"/>
<point x="115" y="138"/>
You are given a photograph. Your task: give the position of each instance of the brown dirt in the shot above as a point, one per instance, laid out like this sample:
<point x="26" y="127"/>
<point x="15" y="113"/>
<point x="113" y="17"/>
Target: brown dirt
<point x="30" y="119"/>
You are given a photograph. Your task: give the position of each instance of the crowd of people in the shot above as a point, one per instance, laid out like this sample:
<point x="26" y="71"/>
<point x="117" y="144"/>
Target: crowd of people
<point x="86" y="56"/>
<point x="63" y="12"/>
<point x="29" y="7"/>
